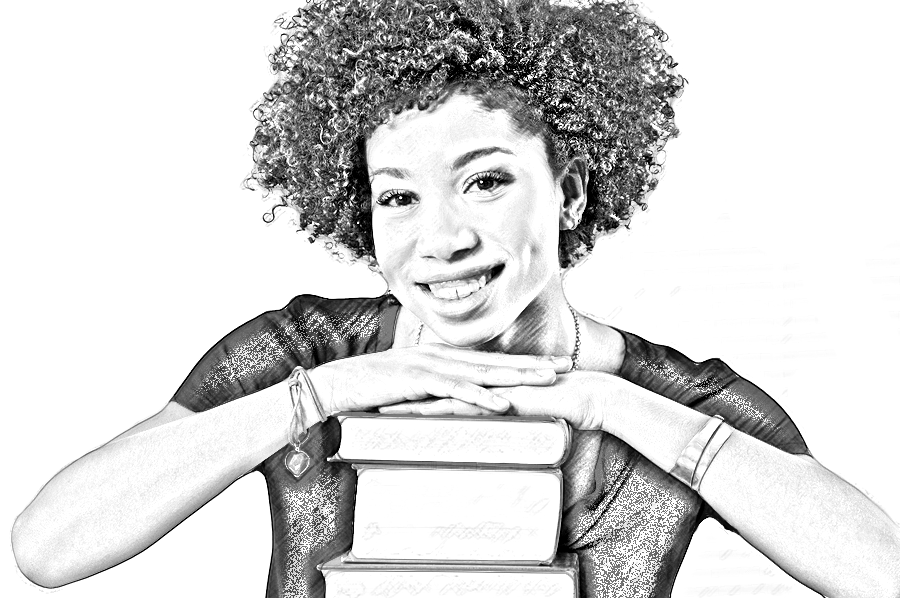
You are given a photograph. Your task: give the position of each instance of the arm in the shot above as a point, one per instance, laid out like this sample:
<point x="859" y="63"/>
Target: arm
<point x="810" y="522"/>
<point x="119" y="499"/>
<point x="116" y="501"/>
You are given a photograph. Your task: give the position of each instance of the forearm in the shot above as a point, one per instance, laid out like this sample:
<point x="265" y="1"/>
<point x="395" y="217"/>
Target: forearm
<point x="807" y="520"/>
<point x="114" y="502"/>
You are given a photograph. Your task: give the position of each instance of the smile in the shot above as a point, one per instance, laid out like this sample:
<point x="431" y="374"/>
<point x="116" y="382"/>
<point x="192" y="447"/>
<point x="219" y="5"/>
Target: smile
<point x="461" y="286"/>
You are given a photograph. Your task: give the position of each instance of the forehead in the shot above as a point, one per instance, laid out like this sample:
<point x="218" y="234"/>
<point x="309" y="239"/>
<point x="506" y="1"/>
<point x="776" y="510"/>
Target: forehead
<point x="457" y="125"/>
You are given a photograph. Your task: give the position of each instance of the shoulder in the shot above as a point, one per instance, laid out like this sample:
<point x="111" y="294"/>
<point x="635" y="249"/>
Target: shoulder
<point x="652" y="364"/>
<point x="603" y="347"/>
<point x="309" y="323"/>
<point x="343" y="317"/>
<point x="363" y="307"/>
<point x="328" y="329"/>
<point x="630" y="356"/>
<point x="308" y="331"/>
<point x="711" y="387"/>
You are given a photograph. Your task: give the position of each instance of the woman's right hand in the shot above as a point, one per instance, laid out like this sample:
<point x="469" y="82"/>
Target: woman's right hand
<point x="456" y="377"/>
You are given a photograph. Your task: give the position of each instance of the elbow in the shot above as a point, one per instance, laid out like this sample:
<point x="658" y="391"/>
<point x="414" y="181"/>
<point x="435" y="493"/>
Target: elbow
<point x="874" y="573"/>
<point x="891" y="582"/>
<point x="876" y="586"/>
<point x="35" y="557"/>
<point x="882" y="584"/>
<point x="888" y="586"/>
<point x="886" y="581"/>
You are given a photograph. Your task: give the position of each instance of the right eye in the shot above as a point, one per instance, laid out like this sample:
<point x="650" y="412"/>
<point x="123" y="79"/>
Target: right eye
<point x="395" y="198"/>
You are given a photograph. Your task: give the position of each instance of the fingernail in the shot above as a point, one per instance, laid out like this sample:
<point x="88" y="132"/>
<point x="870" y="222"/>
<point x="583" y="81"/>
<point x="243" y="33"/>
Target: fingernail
<point x="564" y="360"/>
<point x="501" y="403"/>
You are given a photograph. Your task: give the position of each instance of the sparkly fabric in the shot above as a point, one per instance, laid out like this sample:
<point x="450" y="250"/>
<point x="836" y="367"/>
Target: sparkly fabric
<point x="312" y="517"/>
<point x="629" y="522"/>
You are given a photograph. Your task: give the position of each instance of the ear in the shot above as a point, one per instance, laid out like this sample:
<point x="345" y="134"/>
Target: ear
<point x="574" y="183"/>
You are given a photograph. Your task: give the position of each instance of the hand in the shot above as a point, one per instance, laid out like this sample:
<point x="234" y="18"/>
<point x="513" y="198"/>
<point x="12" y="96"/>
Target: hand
<point x="457" y="377"/>
<point x="577" y="397"/>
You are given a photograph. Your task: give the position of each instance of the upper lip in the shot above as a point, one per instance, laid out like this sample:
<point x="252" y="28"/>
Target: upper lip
<point x="472" y="272"/>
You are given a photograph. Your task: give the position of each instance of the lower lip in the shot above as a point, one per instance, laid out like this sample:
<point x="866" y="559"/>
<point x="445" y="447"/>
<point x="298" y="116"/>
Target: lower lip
<point x="459" y="308"/>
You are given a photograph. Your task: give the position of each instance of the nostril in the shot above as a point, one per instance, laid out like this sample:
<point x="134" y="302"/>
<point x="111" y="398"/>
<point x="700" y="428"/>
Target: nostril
<point x="448" y="245"/>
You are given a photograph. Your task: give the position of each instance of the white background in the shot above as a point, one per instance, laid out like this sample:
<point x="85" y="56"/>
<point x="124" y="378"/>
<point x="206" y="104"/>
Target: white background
<point x="128" y="246"/>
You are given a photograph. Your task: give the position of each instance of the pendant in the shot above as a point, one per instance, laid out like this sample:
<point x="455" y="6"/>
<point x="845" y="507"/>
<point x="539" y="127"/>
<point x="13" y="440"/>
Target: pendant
<point x="297" y="462"/>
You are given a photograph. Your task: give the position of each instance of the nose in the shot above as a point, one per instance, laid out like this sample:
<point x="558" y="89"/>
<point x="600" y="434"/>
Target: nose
<point x="447" y="231"/>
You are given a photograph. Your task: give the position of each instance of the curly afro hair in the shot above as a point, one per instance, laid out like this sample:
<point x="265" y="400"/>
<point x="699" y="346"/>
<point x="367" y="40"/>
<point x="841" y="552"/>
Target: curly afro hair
<point x="591" y="78"/>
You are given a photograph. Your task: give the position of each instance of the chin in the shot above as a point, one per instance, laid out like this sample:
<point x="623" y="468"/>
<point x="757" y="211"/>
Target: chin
<point x="466" y="334"/>
<point x="463" y="341"/>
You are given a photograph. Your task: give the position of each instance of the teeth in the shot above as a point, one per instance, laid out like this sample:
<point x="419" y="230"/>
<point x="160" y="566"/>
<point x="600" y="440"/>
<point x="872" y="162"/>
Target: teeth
<point x="458" y="289"/>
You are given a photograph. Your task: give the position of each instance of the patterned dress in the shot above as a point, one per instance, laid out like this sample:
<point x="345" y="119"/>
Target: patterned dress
<point x="629" y="522"/>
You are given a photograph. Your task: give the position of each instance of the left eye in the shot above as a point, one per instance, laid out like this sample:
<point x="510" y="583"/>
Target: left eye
<point x="486" y="181"/>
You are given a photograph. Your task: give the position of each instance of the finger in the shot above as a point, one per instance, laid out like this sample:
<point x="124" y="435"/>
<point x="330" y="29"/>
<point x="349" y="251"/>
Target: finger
<point x="484" y="374"/>
<point x="492" y="375"/>
<point x="455" y="388"/>
<point x="530" y="401"/>
<point x="439" y="407"/>
<point x="570" y="405"/>
<point x="559" y="364"/>
<point x="405" y="407"/>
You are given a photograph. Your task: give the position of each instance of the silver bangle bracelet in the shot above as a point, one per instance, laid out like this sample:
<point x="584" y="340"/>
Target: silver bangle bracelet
<point x="721" y="435"/>
<point x="686" y="465"/>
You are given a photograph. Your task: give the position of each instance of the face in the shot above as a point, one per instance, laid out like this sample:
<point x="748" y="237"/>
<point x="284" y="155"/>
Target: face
<point x="465" y="215"/>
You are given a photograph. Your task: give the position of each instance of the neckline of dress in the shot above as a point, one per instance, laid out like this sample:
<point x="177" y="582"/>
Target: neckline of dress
<point x="391" y="315"/>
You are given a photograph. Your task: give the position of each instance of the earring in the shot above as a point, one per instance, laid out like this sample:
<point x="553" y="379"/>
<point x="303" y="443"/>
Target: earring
<point x="569" y="223"/>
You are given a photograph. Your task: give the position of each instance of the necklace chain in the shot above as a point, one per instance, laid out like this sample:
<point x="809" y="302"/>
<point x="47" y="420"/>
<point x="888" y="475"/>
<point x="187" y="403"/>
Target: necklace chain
<point x="575" y="354"/>
<point x="419" y="333"/>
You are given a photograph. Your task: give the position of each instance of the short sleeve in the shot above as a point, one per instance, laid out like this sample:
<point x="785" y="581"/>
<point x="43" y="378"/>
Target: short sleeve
<point x="713" y="388"/>
<point x="308" y="331"/>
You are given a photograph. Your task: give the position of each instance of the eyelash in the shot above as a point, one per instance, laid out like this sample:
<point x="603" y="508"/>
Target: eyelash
<point x="491" y="175"/>
<point x="386" y="198"/>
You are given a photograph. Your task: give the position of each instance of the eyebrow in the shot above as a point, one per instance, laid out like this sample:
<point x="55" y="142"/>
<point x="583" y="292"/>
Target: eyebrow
<point x="479" y="153"/>
<point x="402" y="173"/>
<point x="397" y="173"/>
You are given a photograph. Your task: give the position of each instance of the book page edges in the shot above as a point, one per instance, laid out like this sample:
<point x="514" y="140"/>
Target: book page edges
<point x="563" y="563"/>
<point x="564" y="427"/>
<point x="556" y="473"/>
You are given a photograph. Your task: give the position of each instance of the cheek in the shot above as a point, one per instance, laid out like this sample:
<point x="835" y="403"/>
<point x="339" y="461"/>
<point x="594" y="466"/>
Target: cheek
<point x="394" y="245"/>
<point x="539" y="229"/>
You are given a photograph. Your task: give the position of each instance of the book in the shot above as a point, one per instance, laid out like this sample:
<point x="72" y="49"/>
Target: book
<point x="414" y="513"/>
<point x="482" y="440"/>
<point x="345" y="579"/>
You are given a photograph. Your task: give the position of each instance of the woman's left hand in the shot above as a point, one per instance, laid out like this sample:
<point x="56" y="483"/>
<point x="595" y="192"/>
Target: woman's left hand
<point x="577" y="397"/>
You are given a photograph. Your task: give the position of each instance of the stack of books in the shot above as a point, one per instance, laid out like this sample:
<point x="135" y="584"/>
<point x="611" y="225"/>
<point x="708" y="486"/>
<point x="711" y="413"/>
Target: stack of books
<point x="454" y="506"/>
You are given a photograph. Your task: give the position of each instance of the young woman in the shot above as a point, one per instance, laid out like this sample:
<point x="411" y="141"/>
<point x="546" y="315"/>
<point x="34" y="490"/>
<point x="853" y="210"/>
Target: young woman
<point x="473" y="151"/>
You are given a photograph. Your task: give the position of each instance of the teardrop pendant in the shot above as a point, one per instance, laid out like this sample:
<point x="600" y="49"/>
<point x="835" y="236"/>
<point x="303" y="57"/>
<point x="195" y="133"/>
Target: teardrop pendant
<point x="296" y="462"/>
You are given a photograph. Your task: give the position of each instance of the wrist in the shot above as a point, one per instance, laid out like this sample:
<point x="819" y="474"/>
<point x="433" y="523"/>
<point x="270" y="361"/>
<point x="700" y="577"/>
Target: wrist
<point x="311" y="413"/>
<point x="307" y="412"/>
<point x="615" y="392"/>
<point x="322" y="383"/>
<point x="592" y="399"/>
<point x="657" y="427"/>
